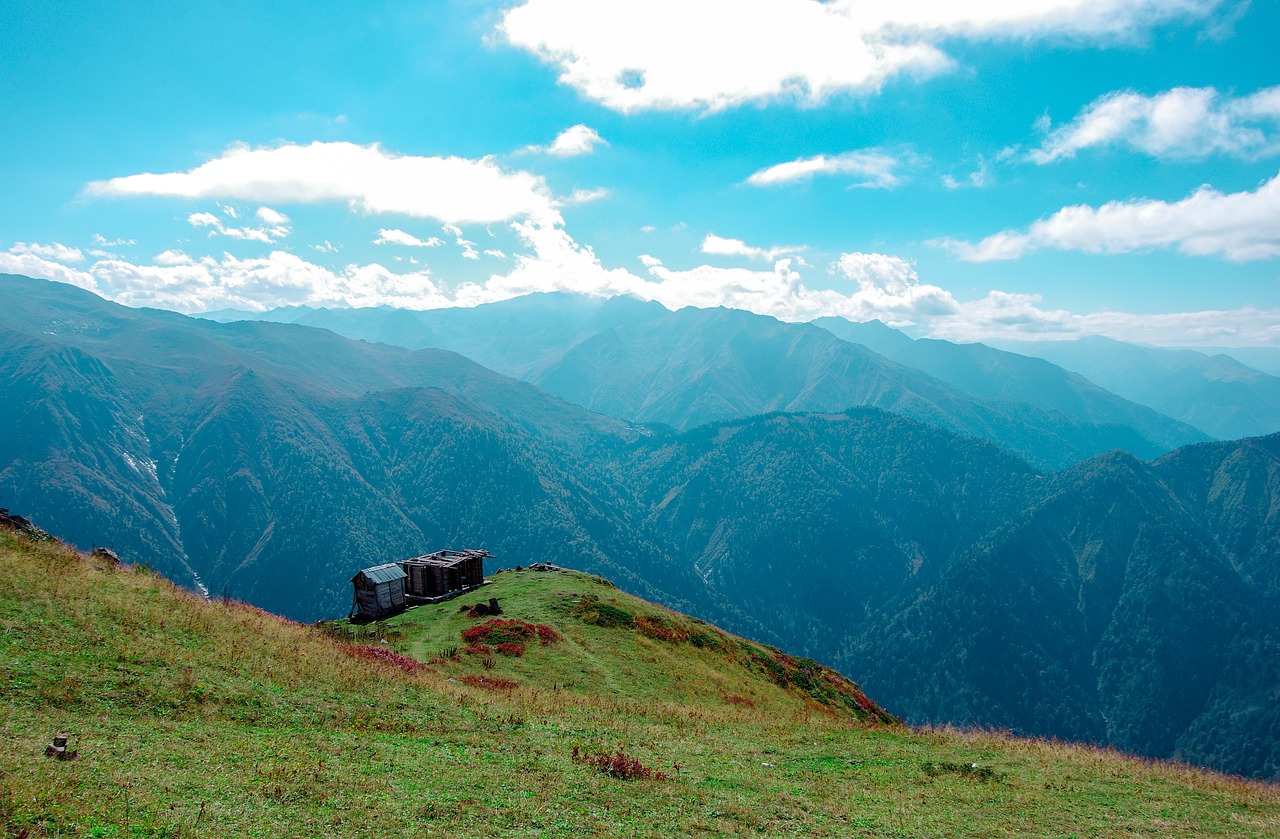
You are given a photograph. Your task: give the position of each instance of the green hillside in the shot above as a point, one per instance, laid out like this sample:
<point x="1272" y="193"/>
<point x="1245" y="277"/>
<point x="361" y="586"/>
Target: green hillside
<point x="577" y="634"/>
<point x="218" y="719"/>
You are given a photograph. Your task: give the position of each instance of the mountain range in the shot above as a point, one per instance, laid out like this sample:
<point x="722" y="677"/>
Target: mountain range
<point x="1217" y="393"/>
<point x="942" y="553"/>
<point x="640" y="362"/>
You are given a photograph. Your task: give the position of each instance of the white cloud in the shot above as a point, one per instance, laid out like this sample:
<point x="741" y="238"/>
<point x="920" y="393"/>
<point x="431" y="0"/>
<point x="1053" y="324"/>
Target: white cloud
<point x="267" y="233"/>
<point x="888" y="289"/>
<point x="1185" y="122"/>
<point x="574" y="141"/>
<point x="674" y="54"/>
<point x="399" y="237"/>
<point x="367" y="178"/>
<point x="327" y="247"/>
<point x="874" y="166"/>
<point x="1239" y="227"/>
<point x="54" y="250"/>
<point x="976" y="179"/>
<point x="495" y="253"/>
<point x="877" y="269"/>
<point x="266" y="215"/>
<point x="1000" y="316"/>
<point x="585" y="196"/>
<point x="172" y="257"/>
<point x="31" y="265"/>
<point x="102" y="241"/>
<point x="719" y="246"/>
<point x="468" y="247"/>
<point x="277" y="279"/>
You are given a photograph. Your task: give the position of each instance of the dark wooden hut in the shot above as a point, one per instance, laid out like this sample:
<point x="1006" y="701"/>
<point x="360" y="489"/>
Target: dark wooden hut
<point x="379" y="591"/>
<point x="444" y="573"/>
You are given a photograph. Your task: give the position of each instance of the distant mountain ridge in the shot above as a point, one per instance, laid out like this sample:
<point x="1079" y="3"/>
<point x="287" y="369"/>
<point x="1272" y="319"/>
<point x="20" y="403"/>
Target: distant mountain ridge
<point x="638" y="361"/>
<point x="995" y="374"/>
<point x="1124" y="601"/>
<point x="1217" y="393"/>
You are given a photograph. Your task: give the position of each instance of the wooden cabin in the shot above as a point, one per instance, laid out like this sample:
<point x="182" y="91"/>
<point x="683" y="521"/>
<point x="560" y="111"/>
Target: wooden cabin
<point x="379" y="591"/>
<point x="443" y="573"/>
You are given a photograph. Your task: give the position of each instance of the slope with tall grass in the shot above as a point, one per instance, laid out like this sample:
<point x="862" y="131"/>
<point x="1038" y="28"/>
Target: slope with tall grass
<point x="217" y="719"/>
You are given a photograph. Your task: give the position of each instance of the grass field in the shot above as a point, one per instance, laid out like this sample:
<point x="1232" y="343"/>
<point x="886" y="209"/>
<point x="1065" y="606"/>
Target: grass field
<point x="215" y="719"/>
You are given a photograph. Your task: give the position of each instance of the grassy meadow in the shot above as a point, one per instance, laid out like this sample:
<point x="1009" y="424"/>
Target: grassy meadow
<point x="217" y="719"/>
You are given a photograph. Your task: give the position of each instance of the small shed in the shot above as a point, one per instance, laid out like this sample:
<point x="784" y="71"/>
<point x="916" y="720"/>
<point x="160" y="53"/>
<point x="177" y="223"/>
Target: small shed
<point x="444" y="573"/>
<point x="379" y="591"/>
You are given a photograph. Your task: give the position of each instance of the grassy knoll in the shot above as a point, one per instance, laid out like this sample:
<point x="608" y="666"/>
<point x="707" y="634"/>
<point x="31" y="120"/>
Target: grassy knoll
<point x="197" y="719"/>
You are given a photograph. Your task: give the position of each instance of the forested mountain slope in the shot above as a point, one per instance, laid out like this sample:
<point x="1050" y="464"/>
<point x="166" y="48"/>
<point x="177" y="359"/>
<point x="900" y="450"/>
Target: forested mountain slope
<point x="1122" y="601"/>
<point x="638" y="361"/>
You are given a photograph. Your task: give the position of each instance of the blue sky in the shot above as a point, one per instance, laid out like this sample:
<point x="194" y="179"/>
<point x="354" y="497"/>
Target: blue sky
<point x="989" y="170"/>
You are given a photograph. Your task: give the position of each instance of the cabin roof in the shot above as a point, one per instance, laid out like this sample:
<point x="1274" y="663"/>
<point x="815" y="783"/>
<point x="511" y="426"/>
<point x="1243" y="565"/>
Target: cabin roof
<point x="382" y="573"/>
<point x="446" y="558"/>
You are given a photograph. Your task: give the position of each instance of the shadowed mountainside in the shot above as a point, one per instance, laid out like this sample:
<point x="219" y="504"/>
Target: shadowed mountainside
<point x="1122" y="601"/>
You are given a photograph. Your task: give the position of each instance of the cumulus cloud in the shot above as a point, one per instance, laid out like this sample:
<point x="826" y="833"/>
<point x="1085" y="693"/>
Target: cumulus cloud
<point x="367" y="178"/>
<point x="719" y="246"/>
<point x="574" y="141"/>
<point x="266" y="215"/>
<point x="672" y="54"/>
<point x="399" y="237"/>
<point x="55" y="251"/>
<point x="869" y="270"/>
<point x="874" y="167"/>
<point x="1238" y="226"/>
<point x="1185" y="122"/>
<point x="172" y="257"/>
<point x="277" y="279"/>
<point x="887" y="288"/>
<point x="32" y="265"/>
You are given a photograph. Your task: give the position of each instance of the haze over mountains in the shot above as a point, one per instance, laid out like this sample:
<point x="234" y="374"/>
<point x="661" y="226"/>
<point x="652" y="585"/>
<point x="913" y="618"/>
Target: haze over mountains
<point x="950" y="528"/>
<point x="1217" y="393"/>
<point x="641" y="362"/>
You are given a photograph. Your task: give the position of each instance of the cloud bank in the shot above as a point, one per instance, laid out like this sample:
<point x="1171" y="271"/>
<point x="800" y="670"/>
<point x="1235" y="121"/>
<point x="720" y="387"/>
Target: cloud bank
<point x="879" y="286"/>
<point x="709" y="55"/>
<point x="1239" y="227"/>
